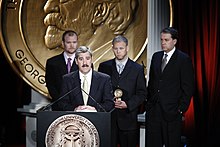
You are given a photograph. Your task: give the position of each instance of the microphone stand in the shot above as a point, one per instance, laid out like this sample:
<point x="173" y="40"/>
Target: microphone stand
<point x="100" y="106"/>
<point x="51" y="104"/>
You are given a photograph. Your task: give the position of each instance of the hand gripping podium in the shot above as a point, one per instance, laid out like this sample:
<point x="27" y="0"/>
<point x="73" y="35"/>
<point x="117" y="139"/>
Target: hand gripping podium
<point x="76" y="129"/>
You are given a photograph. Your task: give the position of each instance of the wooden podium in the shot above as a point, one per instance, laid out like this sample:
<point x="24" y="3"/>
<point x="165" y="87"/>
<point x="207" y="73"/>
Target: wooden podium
<point x="67" y="123"/>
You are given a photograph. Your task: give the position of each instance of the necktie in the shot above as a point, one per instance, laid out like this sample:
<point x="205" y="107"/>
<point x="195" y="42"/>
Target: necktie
<point x="69" y="64"/>
<point x="85" y="88"/>
<point x="164" y="62"/>
<point x="120" y="68"/>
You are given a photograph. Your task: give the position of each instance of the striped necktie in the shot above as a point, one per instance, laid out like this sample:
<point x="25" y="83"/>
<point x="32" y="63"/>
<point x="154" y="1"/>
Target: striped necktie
<point x="164" y="62"/>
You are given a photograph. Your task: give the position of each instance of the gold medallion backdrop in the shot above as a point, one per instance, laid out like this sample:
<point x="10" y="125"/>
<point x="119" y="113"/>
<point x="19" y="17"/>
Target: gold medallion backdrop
<point x="31" y="31"/>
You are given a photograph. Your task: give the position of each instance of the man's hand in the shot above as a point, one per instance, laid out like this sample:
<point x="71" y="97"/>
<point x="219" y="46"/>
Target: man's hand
<point x="120" y="104"/>
<point x="85" y="108"/>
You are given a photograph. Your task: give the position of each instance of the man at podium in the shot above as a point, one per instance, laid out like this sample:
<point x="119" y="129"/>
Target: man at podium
<point x="86" y="90"/>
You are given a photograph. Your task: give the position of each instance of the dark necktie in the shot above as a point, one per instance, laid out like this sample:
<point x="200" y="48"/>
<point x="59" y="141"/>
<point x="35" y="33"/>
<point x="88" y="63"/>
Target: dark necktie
<point x="164" y="62"/>
<point x="69" y="65"/>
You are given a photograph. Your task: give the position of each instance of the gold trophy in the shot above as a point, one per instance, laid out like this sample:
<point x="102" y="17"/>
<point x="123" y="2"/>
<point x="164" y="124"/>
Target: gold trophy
<point x="118" y="94"/>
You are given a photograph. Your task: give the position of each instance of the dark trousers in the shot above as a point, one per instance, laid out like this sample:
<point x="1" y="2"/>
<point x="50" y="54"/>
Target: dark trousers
<point x="2" y="135"/>
<point x="159" y="131"/>
<point x="128" y="138"/>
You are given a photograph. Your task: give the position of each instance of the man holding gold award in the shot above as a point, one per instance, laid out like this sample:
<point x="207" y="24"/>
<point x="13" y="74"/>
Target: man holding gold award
<point x="130" y="92"/>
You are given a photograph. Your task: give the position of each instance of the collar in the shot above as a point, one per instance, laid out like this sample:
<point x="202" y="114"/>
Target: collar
<point x="88" y="75"/>
<point x="66" y="57"/>
<point x="170" y="53"/>
<point x="124" y="61"/>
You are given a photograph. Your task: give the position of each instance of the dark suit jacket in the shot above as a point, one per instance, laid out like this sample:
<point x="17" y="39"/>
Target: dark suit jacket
<point x="173" y="88"/>
<point x="133" y="84"/>
<point x="55" y="69"/>
<point x="100" y="92"/>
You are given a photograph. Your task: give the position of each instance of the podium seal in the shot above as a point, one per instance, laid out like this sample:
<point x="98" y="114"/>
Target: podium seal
<point x="72" y="131"/>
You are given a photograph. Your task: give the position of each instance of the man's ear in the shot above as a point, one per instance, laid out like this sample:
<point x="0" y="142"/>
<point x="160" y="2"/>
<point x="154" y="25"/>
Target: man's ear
<point x="101" y="13"/>
<point x="127" y="48"/>
<point x="175" y="41"/>
<point x="76" y="61"/>
<point x="62" y="44"/>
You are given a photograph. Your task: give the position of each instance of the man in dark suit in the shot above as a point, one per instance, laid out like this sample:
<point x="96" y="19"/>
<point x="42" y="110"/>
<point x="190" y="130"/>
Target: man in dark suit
<point x="129" y="86"/>
<point x="56" y="66"/>
<point x="88" y="90"/>
<point x="170" y="88"/>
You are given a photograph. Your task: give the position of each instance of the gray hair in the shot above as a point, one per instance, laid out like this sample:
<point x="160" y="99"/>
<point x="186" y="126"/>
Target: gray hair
<point x="83" y="49"/>
<point x="120" y="38"/>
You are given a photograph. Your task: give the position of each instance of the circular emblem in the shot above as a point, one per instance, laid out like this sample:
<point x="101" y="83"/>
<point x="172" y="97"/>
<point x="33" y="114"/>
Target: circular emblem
<point x="72" y="131"/>
<point x="31" y="31"/>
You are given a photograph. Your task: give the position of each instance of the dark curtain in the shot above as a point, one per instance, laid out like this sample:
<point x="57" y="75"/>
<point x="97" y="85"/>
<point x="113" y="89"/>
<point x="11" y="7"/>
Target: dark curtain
<point x="14" y="94"/>
<point x="198" y="25"/>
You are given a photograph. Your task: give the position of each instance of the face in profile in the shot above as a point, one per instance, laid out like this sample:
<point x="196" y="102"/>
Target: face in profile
<point x="61" y="16"/>
<point x="84" y="17"/>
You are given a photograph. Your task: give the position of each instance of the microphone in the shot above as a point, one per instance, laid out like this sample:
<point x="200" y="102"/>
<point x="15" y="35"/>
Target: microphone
<point x="100" y="106"/>
<point x="54" y="102"/>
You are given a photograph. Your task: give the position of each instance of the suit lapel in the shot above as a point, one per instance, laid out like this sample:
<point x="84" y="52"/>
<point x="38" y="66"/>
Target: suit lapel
<point x="76" y="82"/>
<point x="172" y="61"/>
<point x="114" y="71"/>
<point x="94" y="83"/>
<point x="62" y="64"/>
<point x="127" y="69"/>
<point x="159" y="60"/>
<point x="74" y="66"/>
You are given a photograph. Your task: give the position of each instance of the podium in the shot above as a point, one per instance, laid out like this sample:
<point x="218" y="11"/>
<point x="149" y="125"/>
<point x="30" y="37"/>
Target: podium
<point x="68" y="128"/>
